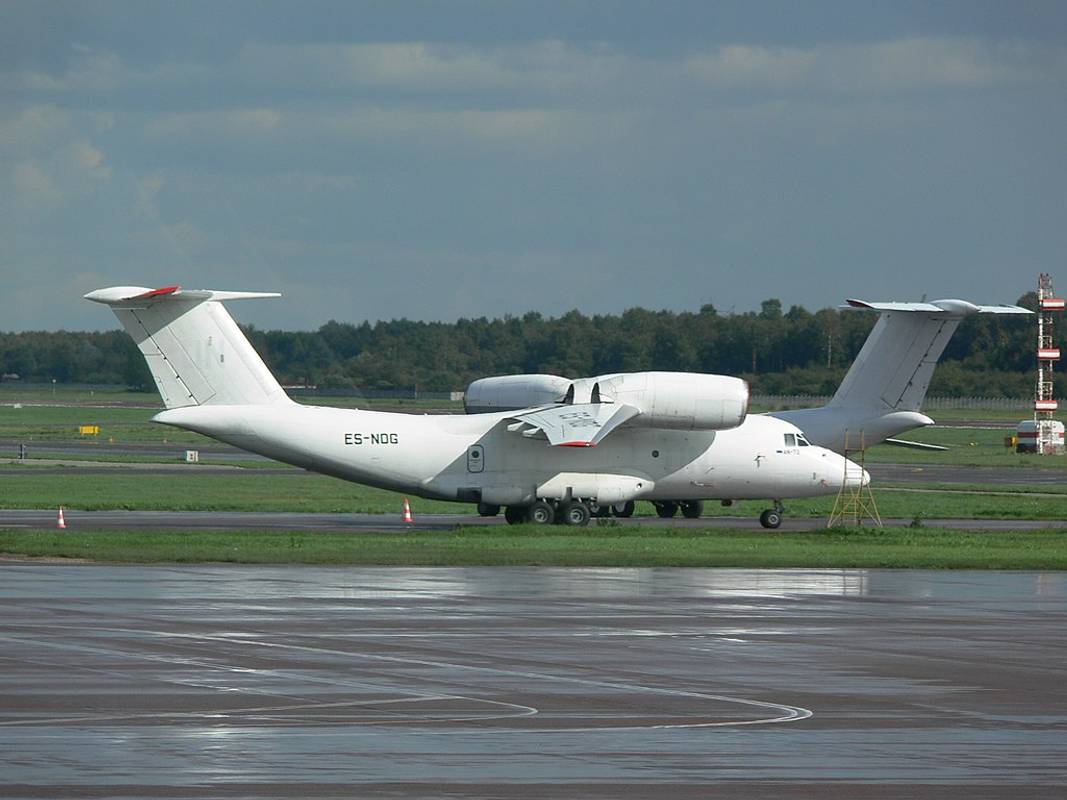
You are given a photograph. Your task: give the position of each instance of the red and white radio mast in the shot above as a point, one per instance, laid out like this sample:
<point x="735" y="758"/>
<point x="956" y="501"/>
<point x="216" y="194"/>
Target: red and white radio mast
<point x="1048" y="436"/>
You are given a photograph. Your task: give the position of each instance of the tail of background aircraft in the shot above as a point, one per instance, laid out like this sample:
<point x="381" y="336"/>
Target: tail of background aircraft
<point x="194" y="349"/>
<point x="884" y="388"/>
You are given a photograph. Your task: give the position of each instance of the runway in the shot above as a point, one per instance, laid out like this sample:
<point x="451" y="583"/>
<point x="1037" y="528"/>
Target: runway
<point x="77" y="520"/>
<point x="552" y="683"/>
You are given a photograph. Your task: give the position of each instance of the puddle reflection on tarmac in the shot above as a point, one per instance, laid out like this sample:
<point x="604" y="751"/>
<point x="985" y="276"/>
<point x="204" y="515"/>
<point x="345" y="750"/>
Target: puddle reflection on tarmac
<point x="508" y="682"/>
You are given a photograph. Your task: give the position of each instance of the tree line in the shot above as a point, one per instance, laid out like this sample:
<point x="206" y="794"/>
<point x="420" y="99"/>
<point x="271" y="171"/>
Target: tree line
<point x="779" y="351"/>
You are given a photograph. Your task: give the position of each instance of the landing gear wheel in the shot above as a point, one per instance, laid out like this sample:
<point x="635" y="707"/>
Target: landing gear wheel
<point x="623" y="510"/>
<point x="515" y="515"/>
<point x="541" y="513"/>
<point x="574" y="512"/>
<point x="692" y="509"/>
<point x="488" y="510"/>
<point x="666" y="508"/>
<point x="597" y="510"/>
<point x="771" y="518"/>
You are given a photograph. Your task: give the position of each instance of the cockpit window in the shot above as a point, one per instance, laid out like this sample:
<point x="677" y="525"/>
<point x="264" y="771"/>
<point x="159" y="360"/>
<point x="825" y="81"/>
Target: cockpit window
<point x="790" y="440"/>
<point x="802" y="441"/>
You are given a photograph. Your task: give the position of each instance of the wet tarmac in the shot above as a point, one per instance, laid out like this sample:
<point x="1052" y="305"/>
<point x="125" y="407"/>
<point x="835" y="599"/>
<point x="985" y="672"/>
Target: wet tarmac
<point x="501" y="683"/>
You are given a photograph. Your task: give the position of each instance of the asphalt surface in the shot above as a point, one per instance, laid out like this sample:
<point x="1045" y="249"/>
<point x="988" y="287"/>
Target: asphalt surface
<point x="518" y="683"/>
<point x="947" y="474"/>
<point x="90" y="448"/>
<point x="76" y="520"/>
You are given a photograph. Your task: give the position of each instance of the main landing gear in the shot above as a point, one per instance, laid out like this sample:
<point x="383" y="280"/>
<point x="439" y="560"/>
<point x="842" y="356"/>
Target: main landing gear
<point x="567" y="512"/>
<point x="772" y="517"/>
<point x="579" y="512"/>
<point x="691" y="509"/>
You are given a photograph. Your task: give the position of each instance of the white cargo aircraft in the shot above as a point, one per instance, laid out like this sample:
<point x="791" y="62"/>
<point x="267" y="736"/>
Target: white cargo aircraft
<point x="547" y="448"/>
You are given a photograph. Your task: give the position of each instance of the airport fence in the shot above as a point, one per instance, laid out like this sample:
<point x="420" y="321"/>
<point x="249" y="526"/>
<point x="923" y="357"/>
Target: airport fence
<point x="372" y="394"/>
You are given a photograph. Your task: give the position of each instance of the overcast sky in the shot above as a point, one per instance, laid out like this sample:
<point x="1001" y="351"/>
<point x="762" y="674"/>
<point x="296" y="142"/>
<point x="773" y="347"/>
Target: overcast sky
<point x="434" y="160"/>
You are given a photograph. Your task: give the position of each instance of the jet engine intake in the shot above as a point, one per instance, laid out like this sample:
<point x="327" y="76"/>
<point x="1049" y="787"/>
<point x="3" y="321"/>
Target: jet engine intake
<point x="513" y="392"/>
<point x="678" y="400"/>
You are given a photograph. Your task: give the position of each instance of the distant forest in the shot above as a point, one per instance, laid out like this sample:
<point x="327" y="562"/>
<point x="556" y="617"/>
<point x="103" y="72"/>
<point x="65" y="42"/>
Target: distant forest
<point x="779" y="352"/>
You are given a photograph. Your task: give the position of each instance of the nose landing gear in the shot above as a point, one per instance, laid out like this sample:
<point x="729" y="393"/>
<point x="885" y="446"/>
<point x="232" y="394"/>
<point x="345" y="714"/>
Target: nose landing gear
<point x="772" y="517"/>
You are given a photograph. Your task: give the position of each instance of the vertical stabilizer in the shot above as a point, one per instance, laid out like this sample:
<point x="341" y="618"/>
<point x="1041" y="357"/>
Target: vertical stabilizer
<point x="884" y="388"/>
<point x="893" y="369"/>
<point x="195" y="351"/>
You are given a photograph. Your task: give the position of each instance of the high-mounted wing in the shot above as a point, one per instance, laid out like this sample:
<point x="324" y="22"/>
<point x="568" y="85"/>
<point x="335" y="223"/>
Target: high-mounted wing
<point x="581" y="425"/>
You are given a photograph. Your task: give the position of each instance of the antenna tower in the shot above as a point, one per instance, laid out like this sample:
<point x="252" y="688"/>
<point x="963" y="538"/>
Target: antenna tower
<point x="1047" y="355"/>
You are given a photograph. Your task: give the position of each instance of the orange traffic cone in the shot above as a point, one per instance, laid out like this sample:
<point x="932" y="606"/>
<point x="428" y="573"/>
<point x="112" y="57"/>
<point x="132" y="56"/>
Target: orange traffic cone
<point x="407" y="512"/>
<point x="60" y="523"/>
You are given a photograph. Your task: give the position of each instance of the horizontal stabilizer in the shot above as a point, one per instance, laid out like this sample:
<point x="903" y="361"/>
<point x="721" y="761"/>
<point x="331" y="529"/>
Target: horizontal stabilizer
<point x="960" y="307"/>
<point x="581" y="425"/>
<point x="141" y="297"/>
<point x="915" y="445"/>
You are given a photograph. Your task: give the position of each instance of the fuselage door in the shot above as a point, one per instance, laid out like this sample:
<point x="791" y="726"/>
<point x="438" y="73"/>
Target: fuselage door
<point x="475" y="458"/>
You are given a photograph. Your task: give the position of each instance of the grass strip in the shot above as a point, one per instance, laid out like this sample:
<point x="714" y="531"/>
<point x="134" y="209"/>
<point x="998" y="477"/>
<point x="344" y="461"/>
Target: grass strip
<point x="925" y="548"/>
<point x="299" y="491"/>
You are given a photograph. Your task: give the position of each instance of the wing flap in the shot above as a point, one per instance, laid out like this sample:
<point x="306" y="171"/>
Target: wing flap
<point x="581" y="425"/>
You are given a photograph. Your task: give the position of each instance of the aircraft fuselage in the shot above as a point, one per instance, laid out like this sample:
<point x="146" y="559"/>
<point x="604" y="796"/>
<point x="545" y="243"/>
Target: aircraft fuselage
<point x="476" y="457"/>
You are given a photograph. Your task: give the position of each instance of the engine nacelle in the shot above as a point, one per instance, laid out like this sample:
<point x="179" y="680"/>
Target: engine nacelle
<point x="512" y="392"/>
<point x="677" y="400"/>
<point x="674" y="400"/>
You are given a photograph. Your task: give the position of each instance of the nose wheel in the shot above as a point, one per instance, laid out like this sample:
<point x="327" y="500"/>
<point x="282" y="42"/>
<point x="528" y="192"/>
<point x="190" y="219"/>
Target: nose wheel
<point x="772" y="517"/>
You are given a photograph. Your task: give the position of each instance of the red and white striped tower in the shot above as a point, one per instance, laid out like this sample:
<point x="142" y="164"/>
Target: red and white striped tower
<point x="1047" y="355"/>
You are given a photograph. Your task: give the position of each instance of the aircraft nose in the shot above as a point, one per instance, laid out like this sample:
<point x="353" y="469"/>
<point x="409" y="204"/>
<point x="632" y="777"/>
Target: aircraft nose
<point x="855" y="476"/>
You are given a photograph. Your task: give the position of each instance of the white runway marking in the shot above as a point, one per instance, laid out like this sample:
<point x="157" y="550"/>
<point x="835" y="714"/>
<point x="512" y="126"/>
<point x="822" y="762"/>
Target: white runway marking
<point x="780" y="713"/>
<point x="415" y="696"/>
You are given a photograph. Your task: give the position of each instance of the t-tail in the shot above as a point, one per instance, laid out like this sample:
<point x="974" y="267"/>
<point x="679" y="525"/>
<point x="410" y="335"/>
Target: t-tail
<point x="195" y="351"/>
<point x="883" y="391"/>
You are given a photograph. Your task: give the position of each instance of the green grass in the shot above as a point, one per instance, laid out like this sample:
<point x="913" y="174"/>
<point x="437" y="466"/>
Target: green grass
<point x="16" y="393"/>
<point x="103" y="456"/>
<point x="983" y="488"/>
<point x="204" y="491"/>
<point x="245" y="490"/>
<point x="909" y="504"/>
<point x="979" y="447"/>
<point x="929" y="548"/>
<point x="89" y="397"/>
<point x="130" y="425"/>
<point x="951" y="415"/>
<point x="117" y="425"/>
